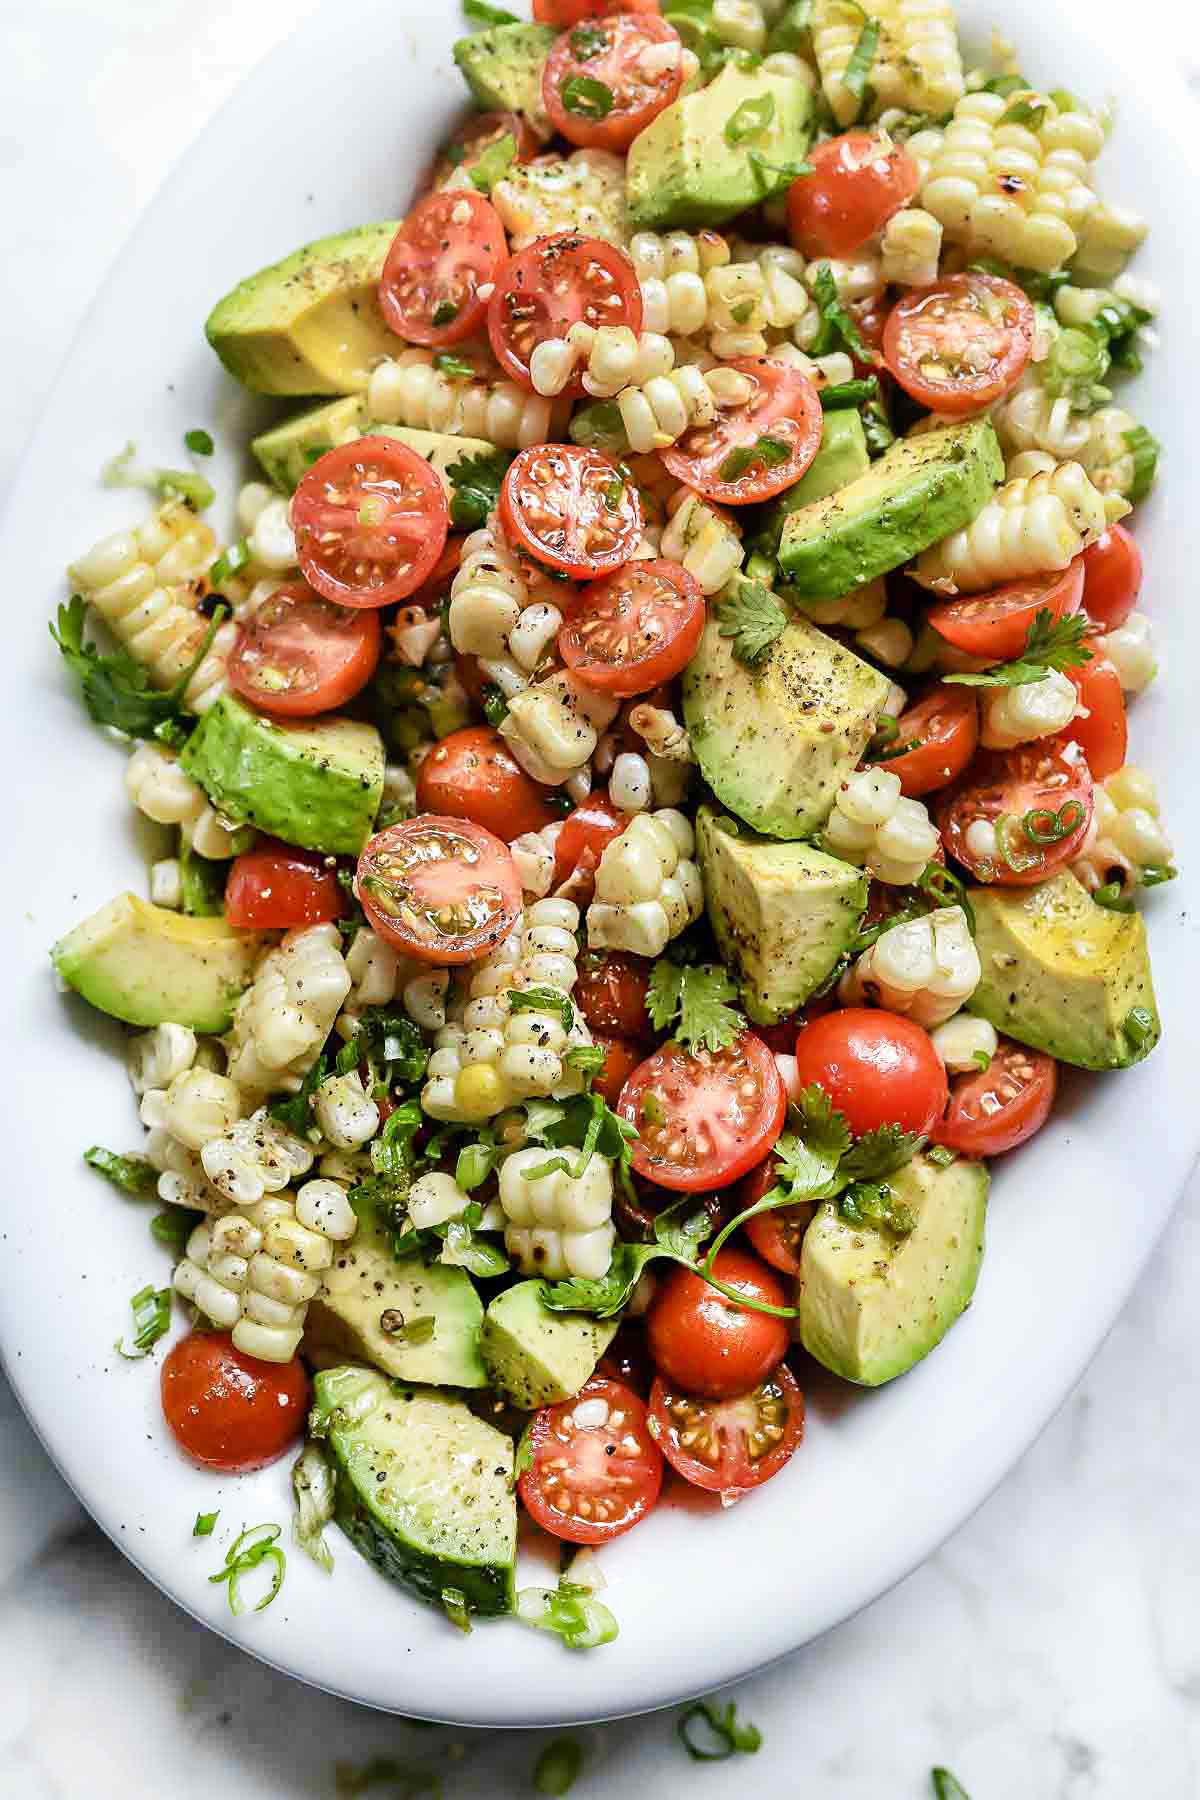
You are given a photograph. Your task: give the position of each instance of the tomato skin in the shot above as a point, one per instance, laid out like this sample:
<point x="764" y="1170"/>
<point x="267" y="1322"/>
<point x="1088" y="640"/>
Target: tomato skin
<point x="433" y="863"/>
<point x="621" y="1058"/>
<point x="334" y="546"/>
<point x="553" y="508"/>
<point x="611" y="994"/>
<point x="274" y="886"/>
<point x="719" y="1456"/>
<point x="634" y="630"/>
<point x="1104" y="735"/>
<point x="708" y="1344"/>
<point x="932" y="327"/>
<point x="710" y="1131"/>
<point x="567" y="1462"/>
<point x="1023" y="1082"/>
<point x="775" y="1235"/>
<point x="554" y="283"/>
<point x="637" y="100"/>
<point x="562" y="13"/>
<point x="877" y="1068"/>
<point x="465" y="146"/>
<point x="585" y="836"/>
<point x="996" y="624"/>
<point x="472" y="774"/>
<point x="944" y="726"/>
<point x="229" y="1411"/>
<point x="301" y="655"/>
<point x="858" y="182"/>
<point x="785" y="406"/>
<point x="1044" y="775"/>
<point x="1112" y="577"/>
<point x="437" y="260"/>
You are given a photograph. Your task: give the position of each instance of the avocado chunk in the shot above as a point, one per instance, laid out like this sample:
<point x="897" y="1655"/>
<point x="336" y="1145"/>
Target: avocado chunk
<point x="917" y="492"/>
<point x="424" y="1489"/>
<point x="683" y="170"/>
<point x="370" y="1301"/>
<point x="776" y="742"/>
<point x="1065" y="975"/>
<point x="841" y="459"/>
<point x="148" y="966"/>
<point x="310" y="324"/>
<point x="871" y="1304"/>
<point x="316" y="783"/>
<point x="537" y="1357"/>
<point x="288" y="452"/>
<point x="503" y="69"/>
<point x="783" y="914"/>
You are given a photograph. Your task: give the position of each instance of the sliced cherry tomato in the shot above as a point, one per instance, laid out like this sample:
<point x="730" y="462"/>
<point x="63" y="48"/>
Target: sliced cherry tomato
<point x="634" y="629"/>
<point x="776" y="1235"/>
<point x="587" y="833"/>
<point x="995" y="625"/>
<point x="478" y="134"/>
<point x="444" y="890"/>
<point x="877" y="1068"/>
<point x="552" y="285"/>
<point x="858" y="181"/>
<point x="300" y="655"/>
<point x="450" y="245"/>
<point x="434" y="588"/>
<point x="274" y="886"/>
<point x="1112" y="577"/>
<point x="594" y="84"/>
<point x="708" y="1344"/>
<point x="621" y="1058"/>
<point x="1002" y="1106"/>
<point x="961" y="344"/>
<point x="561" y="13"/>
<point x="569" y="508"/>
<point x="472" y="774"/>
<point x="942" y="730"/>
<point x="780" y="423"/>
<point x="703" y="1117"/>
<point x="1037" y="798"/>
<point x="1103" y="735"/>
<point x="728" y="1447"/>
<point x="595" y="1470"/>
<point x="371" y="519"/>
<point x="227" y="1410"/>
<point x="611" y="991"/>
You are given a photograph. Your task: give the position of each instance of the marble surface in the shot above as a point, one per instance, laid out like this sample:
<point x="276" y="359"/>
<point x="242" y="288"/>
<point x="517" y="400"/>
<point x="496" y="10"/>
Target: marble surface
<point x="1049" y="1651"/>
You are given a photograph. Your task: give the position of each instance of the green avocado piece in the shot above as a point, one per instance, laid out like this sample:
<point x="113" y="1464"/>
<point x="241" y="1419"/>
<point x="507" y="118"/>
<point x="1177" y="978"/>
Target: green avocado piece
<point x="148" y="966"/>
<point x="841" y="459"/>
<point x="367" y="1301"/>
<point x="287" y="451"/>
<point x="783" y="914"/>
<point x="776" y="742"/>
<point x="310" y="324"/>
<point x="1065" y="975"/>
<point x="682" y="170"/>
<point x="871" y="1304"/>
<point x="424" y="1488"/>
<point x="537" y="1357"/>
<point x="316" y="782"/>
<point x="917" y="492"/>
<point x="503" y="66"/>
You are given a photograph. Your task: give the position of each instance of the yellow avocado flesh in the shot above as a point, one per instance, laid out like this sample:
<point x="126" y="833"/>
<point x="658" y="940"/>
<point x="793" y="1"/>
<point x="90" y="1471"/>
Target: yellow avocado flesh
<point x="148" y="966"/>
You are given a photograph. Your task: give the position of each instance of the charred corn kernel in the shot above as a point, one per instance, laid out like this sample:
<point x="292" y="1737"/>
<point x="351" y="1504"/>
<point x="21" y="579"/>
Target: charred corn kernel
<point x="1030" y="525"/>
<point x="1030" y="419"/>
<point x="910" y="248"/>
<point x="648" y="888"/>
<point x="159" y="788"/>
<point x="552" y="727"/>
<point x="705" y="541"/>
<point x="558" y="1224"/>
<point x="926" y="968"/>
<point x="288" y="1010"/>
<point x="916" y="64"/>
<point x="1126" y="835"/>
<point x="198" y="1105"/>
<point x="408" y="390"/>
<point x="253" y="1157"/>
<point x="347" y="1116"/>
<point x="964" y="1043"/>
<point x="873" y="826"/>
<point x="154" y="1058"/>
<point x="583" y="192"/>
<point x="1018" y="715"/>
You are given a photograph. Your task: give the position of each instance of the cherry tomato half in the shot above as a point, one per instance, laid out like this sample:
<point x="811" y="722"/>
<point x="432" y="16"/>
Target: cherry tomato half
<point x="1103" y="734"/>
<point x="450" y="245"/>
<point x="708" y="1344"/>
<point x="621" y="1058"/>
<point x="780" y="424"/>
<point x="877" y="1068"/>
<point x="585" y="836"/>
<point x="1002" y="1106"/>
<point x="935" y="740"/>
<point x="274" y="886"/>
<point x="858" y="181"/>
<point x="961" y="344"/>
<point x="472" y="774"/>
<point x="371" y="520"/>
<point x="1043" y="789"/>
<point x="561" y="13"/>
<point x="595" y="1470"/>
<point x="704" y="1117"/>
<point x="550" y="286"/>
<point x="477" y="134"/>
<point x="776" y="1235"/>
<point x="300" y="655"/>
<point x="634" y="629"/>
<point x="570" y="508"/>
<point x="611" y="992"/>
<point x="1112" y="577"/>
<point x="444" y="890"/>
<point x="596" y="88"/>
<point x="728" y="1447"/>
<point x="230" y="1411"/>
<point x="995" y="625"/>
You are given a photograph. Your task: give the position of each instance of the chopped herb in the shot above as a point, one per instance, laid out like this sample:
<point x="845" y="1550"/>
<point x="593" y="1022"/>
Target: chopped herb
<point x="476" y="481"/>
<point x="388" y="1045"/>
<point x="589" y="1059"/>
<point x="586" y="97"/>
<point x="1112" y="897"/>
<point x="198" y="442"/>
<point x="202" y="884"/>
<point x="1029" y="110"/>
<point x="1047" y="646"/>
<point x="1145" y="448"/>
<point x="850" y="393"/>
<point x="675" y="1238"/>
<point x="493" y="165"/>
<point x="1005" y="85"/>
<point x="872" y="1203"/>
<point x="454" y="1605"/>
<point x="600" y="427"/>
<point x="946" y="1786"/>
<point x="445" y="313"/>
<point x="1139" y="1026"/>
<point x="557" y="1768"/>
<point x="712" y="1733"/>
<point x="117" y="691"/>
<point x="614" y="493"/>
<point x="480" y="13"/>
<point x="245" y="1553"/>
<point x="941" y="1156"/>
<point x="879" y="1153"/>
<point x="588" y="41"/>
<point x="204" y="1524"/>
<point x="982" y="1058"/>
<point x="476" y="1162"/>
<point x="296" y="1111"/>
<point x="495" y="704"/>
<point x="753" y="618"/>
<point x="132" y="1174"/>
<point x="164" y="484"/>
<point x="837" y="329"/>
<point x="230" y="562"/>
<point x="862" y="58"/>
<point x="174" y="1226"/>
<point x="769" y="451"/>
<point x="570" y="1611"/>
<point x="151" y="1308"/>
<point x="448" y="364"/>
<point x="772" y="177"/>
<point x="543" y="999"/>
<point x="750" y="119"/>
<point x="314" y="453"/>
<point x="691" y="1003"/>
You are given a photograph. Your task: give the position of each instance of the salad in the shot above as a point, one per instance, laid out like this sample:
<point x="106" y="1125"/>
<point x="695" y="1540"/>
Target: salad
<point x="645" y="784"/>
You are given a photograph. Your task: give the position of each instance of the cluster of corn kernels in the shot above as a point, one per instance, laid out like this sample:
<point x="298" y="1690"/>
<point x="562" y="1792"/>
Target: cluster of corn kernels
<point x="694" y="283"/>
<point x="146" y="585"/>
<point x="252" y="1157"/>
<point x="874" y="826"/>
<point x="288" y="1010"/>
<point x="1126" y="835"/>
<point x="161" y="789"/>
<point x="704" y="539"/>
<point x="1017" y="715"/>
<point x="495" y="1055"/>
<point x="1030" y="419"/>
<point x="265" y="518"/>
<point x="965" y="1043"/>
<point x="553" y="727"/>
<point x="925" y="968"/>
<point x="378" y="973"/>
<point x="408" y="390"/>
<point x="255" y="1271"/>
<point x="916" y="64"/>
<point x="1130" y="650"/>
<point x="648" y="887"/>
<point x="435" y="1199"/>
<point x="610" y="356"/>
<point x="502" y="610"/>
<point x="1034" y="523"/>
<point x="910" y="248"/>
<point x="558" y="1224"/>
<point x="1108" y="237"/>
<point x="658" y="412"/>
<point x="583" y="192"/>
<point x="194" y="1106"/>
<point x="862" y="609"/>
<point x="533" y="856"/>
<point x="1107" y="455"/>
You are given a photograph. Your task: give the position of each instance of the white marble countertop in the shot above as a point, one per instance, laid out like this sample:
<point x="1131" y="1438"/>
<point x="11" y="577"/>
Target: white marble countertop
<point x="1049" y="1651"/>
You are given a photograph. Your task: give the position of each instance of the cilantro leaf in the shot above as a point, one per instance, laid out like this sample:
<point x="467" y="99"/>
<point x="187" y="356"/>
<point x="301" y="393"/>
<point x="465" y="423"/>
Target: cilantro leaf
<point x="773" y="177"/>
<point x="480" y="13"/>
<point x="588" y="41"/>
<point x="947" y="1786"/>
<point x="690" y="1003"/>
<point x="753" y="617"/>
<point x="861" y="59"/>
<point x="879" y="1153"/>
<point x="837" y="329"/>
<point x="1047" y="646"/>
<point x="874" y="1204"/>
<point x="390" y="1046"/>
<point x="117" y="691"/>
<point x="676" y="1238"/>
<point x="455" y="367"/>
<point x="476" y="481"/>
<point x="769" y="451"/>
<point x="586" y="97"/>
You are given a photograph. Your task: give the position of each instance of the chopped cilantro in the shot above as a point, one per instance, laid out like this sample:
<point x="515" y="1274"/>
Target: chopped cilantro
<point x="1048" y="645"/>
<point x="446" y="363"/>
<point x="753" y="617"/>
<point x="198" y="442"/>
<point x="117" y="690"/>
<point x="690" y="1003"/>
<point x="476" y="482"/>
<point x="750" y="119"/>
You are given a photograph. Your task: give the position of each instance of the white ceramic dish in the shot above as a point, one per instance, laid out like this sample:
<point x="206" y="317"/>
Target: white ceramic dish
<point x="331" y="130"/>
